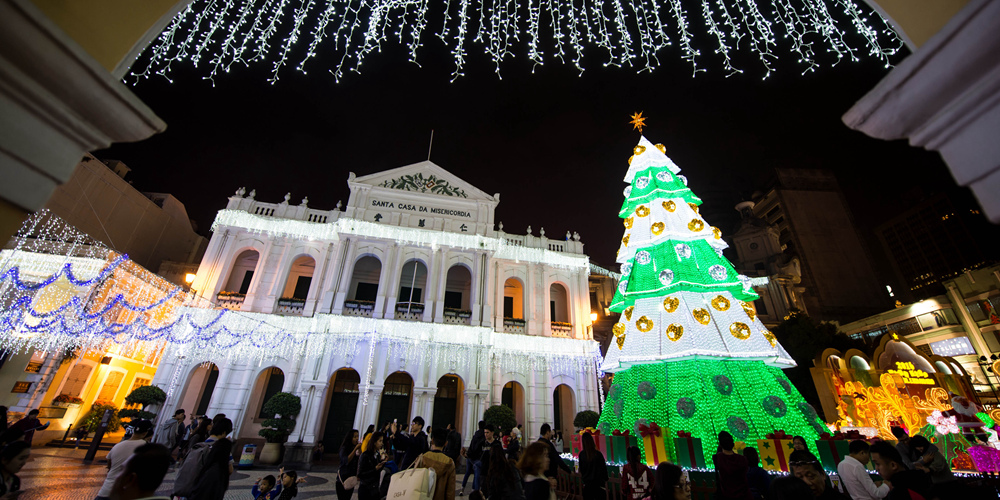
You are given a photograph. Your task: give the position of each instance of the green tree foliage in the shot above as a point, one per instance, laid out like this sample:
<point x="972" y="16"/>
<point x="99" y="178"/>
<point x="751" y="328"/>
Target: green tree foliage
<point x="92" y="418"/>
<point x="586" y="418"/>
<point x="502" y="417"/>
<point x="804" y="339"/>
<point x="286" y="406"/>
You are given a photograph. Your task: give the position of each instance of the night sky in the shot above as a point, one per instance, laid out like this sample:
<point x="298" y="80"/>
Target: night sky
<point x="554" y="145"/>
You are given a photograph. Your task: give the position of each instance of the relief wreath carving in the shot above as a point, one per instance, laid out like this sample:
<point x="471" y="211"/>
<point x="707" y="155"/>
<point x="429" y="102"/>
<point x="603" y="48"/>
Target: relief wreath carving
<point x="417" y="182"/>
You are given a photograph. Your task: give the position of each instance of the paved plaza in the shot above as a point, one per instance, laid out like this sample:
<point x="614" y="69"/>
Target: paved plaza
<point x="59" y="474"/>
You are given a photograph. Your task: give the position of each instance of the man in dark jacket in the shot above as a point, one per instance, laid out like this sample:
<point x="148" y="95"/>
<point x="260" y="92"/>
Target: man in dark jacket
<point x="413" y="443"/>
<point x="453" y="446"/>
<point x="472" y="459"/>
<point x="555" y="461"/>
<point x="906" y="483"/>
<point x="28" y="425"/>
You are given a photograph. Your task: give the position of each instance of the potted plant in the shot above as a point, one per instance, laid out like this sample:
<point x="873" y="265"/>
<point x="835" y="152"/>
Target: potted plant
<point x="585" y="419"/>
<point x="67" y="401"/>
<point x="149" y="396"/>
<point x="502" y="417"/>
<point x="92" y="419"/>
<point x="285" y="407"/>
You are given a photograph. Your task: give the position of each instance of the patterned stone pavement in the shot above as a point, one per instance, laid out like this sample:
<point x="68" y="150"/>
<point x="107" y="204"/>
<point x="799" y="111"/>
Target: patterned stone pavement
<point x="60" y="474"/>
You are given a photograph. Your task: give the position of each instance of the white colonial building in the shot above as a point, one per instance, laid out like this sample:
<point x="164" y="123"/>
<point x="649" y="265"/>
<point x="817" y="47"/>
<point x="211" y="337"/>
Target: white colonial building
<point x="407" y="302"/>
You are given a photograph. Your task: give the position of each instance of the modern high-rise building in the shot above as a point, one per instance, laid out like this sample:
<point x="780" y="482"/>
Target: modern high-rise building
<point x="939" y="238"/>
<point x="800" y="233"/>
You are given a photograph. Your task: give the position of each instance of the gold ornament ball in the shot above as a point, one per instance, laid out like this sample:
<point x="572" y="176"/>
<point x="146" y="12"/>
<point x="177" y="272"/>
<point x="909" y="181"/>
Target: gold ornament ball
<point x="656" y="228"/>
<point x="670" y="304"/>
<point x="669" y="206"/>
<point x="675" y="331"/>
<point x="702" y="316"/>
<point x="642" y="211"/>
<point x="696" y="225"/>
<point x="638" y="150"/>
<point x="740" y="330"/>
<point x="720" y="303"/>
<point x="644" y="324"/>
<point x="628" y="312"/>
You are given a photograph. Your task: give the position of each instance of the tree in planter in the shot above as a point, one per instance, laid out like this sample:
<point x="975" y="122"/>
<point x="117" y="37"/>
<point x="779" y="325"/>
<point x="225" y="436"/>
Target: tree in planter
<point x="92" y="419"/>
<point x="586" y="418"/>
<point x="146" y="396"/>
<point x="286" y="406"/>
<point x="502" y="417"/>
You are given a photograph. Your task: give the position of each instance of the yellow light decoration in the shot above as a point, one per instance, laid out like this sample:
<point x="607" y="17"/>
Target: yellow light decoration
<point x="717" y="232"/>
<point x="670" y="304"/>
<point x="662" y="148"/>
<point x="751" y="313"/>
<point x="620" y="340"/>
<point x="694" y="207"/>
<point x="642" y="211"/>
<point x="618" y="329"/>
<point x="696" y="225"/>
<point x="740" y="330"/>
<point x="644" y="324"/>
<point x="638" y="150"/>
<point x="628" y="223"/>
<point x="628" y="312"/>
<point x="675" y="331"/>
<point x="630" y="158"/>
<point x="656" y="228"/>
<point x="702" y="316"/>
<point x="769" y="337"/>
<point x="625" y="239"/>
<point x="720" y="303"/>
<point x="879" y="406"/>
<point x="669" y="206"/>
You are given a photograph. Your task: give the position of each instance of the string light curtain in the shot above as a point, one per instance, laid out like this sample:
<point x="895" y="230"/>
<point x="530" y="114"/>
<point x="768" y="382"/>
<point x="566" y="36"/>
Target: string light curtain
<point x="216" y="35"/>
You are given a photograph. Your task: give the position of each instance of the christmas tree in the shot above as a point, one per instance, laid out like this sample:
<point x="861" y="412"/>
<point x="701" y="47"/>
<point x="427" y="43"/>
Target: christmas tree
<point x="689" y="352"/>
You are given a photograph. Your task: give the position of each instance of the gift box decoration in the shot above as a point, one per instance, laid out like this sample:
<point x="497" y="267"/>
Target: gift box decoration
<point x="986" y="459"/>
<point x="600" y="442"/>
<point x="689" y="450"/>
<point x="652" y="443"/>
<point x="618" y="445"/>
<point x="576" y="444"/>
<point x="774" y="451"/>
<point x="832" y="449"/>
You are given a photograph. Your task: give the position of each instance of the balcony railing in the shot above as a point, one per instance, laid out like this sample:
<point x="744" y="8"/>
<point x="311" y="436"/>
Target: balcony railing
<point x="362" y="308"/>
<point x="291" y="306"/>
<point x="560" y="329"/>
<point x="457" y="316"/>
<point x="409" y="311"/>
<point x="230" y="300"/>
<point x="514" y="325"/>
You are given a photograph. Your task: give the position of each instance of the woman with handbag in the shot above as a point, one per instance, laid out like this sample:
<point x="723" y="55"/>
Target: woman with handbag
<point x="370" y="468"/>
<point x="347" y="475"/>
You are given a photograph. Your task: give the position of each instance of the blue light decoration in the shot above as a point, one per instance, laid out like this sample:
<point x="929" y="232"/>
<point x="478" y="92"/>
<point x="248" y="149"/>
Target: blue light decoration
<point x="50" y="303"/>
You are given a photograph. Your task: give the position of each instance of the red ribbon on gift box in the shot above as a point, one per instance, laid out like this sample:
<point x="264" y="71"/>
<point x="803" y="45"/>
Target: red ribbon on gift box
<point x="617" y="432"/>
<point x="683" y="434"/>
<point x="778" y="435"/>
<point x="836" y="437"/>
<point x="650" y="430"/>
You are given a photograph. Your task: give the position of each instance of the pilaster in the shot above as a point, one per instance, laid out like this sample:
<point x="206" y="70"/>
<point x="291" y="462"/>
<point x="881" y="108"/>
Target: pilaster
<point x="344" y="280"/>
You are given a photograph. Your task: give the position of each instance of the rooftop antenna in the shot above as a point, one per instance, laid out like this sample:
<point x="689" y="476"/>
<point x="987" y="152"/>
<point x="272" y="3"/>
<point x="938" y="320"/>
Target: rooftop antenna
<point x="431" y="145"/>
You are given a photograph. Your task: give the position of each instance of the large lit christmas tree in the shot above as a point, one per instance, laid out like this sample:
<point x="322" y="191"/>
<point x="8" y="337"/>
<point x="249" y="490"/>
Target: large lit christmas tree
<point x="689" y="352"/>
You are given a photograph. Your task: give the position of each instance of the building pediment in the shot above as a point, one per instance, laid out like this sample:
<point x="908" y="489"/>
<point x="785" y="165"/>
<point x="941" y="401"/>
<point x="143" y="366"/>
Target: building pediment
<point x="425" y="177"/>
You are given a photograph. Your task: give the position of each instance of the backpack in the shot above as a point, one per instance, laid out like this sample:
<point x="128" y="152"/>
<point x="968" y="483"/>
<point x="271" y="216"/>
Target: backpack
<point x="190" y="471"/>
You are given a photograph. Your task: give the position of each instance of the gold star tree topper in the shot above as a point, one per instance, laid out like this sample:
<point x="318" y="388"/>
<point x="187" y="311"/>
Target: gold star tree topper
<point x="638" y="121"/>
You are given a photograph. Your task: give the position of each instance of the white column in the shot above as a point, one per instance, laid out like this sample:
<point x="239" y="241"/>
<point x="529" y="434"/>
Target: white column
<point x="432" y="312"/>
<point x="442" y="282"/>
<point x="533" y="326"/>
<point x="385" y="277"/>
<point x="344" y="280"/>
<point x="258" y="277"/>
<point x="331" y="277"/>
<point x="393" y="284"/>
<point x="216" y="262"/>
<point x="316" y="286"/>
<point x="278" y="275"/>
<point x="313" y="420"/>
<point x="545" y="299"/>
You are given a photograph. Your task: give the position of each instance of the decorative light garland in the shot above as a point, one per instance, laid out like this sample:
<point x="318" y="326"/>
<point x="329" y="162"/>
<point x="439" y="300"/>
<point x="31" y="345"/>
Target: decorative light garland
<point x="314" y="231"/>
<point x="227" y="32"/>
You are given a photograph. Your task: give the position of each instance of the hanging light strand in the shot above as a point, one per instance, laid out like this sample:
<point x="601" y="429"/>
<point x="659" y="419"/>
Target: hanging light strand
<point x="626" y="32"/>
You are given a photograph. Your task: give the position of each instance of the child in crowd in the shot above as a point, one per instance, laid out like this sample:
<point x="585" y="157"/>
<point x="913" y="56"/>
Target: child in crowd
<point x="265" y="488"/>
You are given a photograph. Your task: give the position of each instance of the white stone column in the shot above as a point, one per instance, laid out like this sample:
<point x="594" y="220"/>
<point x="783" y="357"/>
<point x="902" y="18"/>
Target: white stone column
<point x="393" y="284"/>
<point x="344" y="280"/>
<point x="331" y="277"/>
<point x="312" y="421"/>
<point x="316" y="285"/>
<point x="442" y="284"/>
<point x="545" y="299"/>
<point x="533" y="326"/>
<point x="433" y="310"/>
<point x="385" y="277"/>
<point x="216" y="262"/>
<point x="258" y="277"/>
<point x="278" y="275"/>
